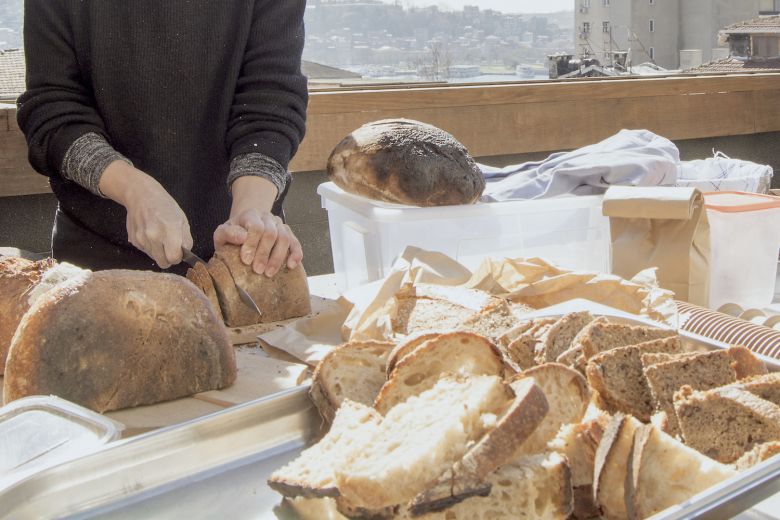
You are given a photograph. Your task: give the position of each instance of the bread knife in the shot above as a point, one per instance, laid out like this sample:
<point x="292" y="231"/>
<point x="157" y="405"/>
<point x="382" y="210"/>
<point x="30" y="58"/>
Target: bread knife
<point x="193" y="259"/>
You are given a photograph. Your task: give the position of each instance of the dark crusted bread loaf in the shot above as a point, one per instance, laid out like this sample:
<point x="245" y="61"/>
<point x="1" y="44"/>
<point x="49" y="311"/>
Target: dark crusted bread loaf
<point x="406" y="162"/>
<point x="116" y="339"/>
<point x="17" y="279"/>
<point x="284" y="296"/>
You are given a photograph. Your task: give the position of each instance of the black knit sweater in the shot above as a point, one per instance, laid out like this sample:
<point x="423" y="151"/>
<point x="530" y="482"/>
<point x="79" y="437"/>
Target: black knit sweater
<point x="179" y="87"/>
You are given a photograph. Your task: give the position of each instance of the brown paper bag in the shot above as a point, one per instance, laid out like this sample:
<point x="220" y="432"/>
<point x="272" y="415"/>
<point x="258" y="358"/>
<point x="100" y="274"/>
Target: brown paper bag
<point x="665" y="228"/>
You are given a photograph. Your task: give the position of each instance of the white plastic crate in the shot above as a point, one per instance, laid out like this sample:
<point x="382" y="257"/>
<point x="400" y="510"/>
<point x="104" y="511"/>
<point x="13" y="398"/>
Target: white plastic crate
<point x="366" y="236"/>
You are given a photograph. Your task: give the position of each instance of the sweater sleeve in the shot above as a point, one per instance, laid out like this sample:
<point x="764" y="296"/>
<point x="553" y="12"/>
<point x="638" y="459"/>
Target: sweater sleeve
<point x="58" y="107"/>
<point x="268" y="115"/>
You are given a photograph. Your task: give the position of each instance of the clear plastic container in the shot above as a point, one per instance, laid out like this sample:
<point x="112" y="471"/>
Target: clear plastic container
<point x="366" y="236"/>
<point x="745" y="231"/>
<point x="39" y="432"/>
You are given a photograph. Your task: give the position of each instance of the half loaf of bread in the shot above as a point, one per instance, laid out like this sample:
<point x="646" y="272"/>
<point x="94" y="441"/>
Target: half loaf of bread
<point x="116" y="339"/>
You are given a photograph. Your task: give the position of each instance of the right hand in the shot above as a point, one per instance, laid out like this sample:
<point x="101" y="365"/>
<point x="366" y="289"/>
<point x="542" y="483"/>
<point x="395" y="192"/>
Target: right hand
<point x="155" y="223"/>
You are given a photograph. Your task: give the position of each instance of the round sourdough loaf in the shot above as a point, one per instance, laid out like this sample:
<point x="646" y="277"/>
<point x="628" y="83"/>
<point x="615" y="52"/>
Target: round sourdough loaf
<point x="115" y="339"/>
<point x="406" y="162"/>
<point x="18" y="276"/>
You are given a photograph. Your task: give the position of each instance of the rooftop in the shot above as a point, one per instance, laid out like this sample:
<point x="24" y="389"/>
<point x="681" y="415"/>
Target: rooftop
<point x="12" y="73"/>
<point x="735" y="65"/>
<point x="760" y="25"/>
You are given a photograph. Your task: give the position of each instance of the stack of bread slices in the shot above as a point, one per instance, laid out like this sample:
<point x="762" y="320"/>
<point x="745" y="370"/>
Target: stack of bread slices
<point x="571" y="416"/>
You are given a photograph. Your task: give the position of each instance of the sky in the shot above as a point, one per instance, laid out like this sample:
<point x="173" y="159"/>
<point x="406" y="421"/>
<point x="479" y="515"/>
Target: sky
<point x="507" y="6"/>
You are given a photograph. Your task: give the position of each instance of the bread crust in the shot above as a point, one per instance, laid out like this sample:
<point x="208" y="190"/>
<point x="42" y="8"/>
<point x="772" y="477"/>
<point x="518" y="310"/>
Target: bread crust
<point x="17" y="278"/>
<point x="407" y="347"/>
<point x="406" y="162"/>
<point x="116" y="339"/>
<point x="320" y="392"/>
<point x="481" y="349"/>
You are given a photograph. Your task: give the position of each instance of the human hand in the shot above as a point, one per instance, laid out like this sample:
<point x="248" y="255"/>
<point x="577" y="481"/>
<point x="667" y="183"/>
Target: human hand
<point x="155" y="223"/>
<point x="266" y="242"/>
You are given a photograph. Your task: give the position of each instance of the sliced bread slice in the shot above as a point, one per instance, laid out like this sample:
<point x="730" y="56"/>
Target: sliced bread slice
<point x="601" y="334"/>
<point x="436" y="307"/>
<point x="701" y="371"/>
<point x="757" y="455"/>
<point x="311" y="474"/>
<point x="617" y="376"/>
<point x="609" y="473"/>
<point x="522" y="352"/>
<point x="536" y="487"/>
<point x="419" y="439"/>
<point x="746" y="364"/>
<point x="578" y="442"/>
<point x="200" y="276"/>
<point x="455" y="352"/>
<point x="663" y="472"/>
<point x="492" y="321"/>
<point x="558" y="338"/>
<point x="573" y="358"/>
<point x="764" y="386"/>
<point x="406" y="346"/>
<point x="724" y="423"/>
<point x="354" y="371"/>
<point x="467" y="477"/>
<point x="568" y="396"/>
<point x="531" y="327"/>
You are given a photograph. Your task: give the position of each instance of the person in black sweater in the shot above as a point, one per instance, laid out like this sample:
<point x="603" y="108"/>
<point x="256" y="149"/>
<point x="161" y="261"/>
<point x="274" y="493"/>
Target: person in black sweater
<point x="164" y="124"/>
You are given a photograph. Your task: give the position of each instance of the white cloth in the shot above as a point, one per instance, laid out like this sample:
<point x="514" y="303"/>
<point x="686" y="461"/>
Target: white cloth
<point x="722" y="173"/>
<point x="630" y="157"/>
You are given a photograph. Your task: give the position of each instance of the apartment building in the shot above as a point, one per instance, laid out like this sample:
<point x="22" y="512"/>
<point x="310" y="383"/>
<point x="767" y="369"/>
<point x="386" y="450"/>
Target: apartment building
<point x="657" y="30"/>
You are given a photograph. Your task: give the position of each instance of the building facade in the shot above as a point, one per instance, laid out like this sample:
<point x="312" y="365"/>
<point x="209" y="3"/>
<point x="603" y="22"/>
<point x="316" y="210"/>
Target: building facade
<point x="657" y="30"/>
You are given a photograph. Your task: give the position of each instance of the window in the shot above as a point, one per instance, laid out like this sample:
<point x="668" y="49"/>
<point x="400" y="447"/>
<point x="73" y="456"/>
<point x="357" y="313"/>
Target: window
<point x="652" y="25"/>
<point x="586" y="3"/>
<point x="652" y="2"/>
<point x="652" y="53"/>
<point x="605" y="3"/>
<point x="605" y="27"/>
<point x="586" y="27"/>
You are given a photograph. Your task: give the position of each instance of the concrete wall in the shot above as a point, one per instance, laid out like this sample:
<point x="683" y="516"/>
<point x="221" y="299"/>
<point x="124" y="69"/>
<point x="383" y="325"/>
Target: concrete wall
<point x="664" y="39"/>
<point x="701" y="20"/>
<point x="25" y="222"/>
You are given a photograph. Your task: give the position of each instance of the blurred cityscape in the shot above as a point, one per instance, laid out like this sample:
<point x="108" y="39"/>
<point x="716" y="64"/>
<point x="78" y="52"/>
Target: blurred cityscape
<point x="11" y="24"/>
<point x="386" y="40"/>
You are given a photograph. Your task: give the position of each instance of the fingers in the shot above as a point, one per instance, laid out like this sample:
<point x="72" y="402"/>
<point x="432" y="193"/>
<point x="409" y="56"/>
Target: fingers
<point x="229" y="234"/>
<point x="160" y="232"/>
<point x="296" y="251"/>
<point x="279" y="251"/>
<point x="267" y="242"/>
<point x="255" y="228"/>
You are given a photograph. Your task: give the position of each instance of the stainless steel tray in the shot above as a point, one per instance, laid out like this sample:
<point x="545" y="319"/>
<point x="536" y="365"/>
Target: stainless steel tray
<point x="217" y="466"/>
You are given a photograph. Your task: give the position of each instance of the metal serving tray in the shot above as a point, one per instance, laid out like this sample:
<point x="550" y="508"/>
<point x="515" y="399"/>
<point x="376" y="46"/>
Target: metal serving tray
<point x="217" y="466"/>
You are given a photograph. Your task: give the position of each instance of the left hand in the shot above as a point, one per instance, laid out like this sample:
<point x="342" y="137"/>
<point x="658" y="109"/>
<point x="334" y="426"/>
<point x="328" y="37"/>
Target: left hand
<point x="266" y="242"/>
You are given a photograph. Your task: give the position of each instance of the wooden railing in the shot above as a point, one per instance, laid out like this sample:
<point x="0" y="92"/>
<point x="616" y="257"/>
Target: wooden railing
<point x="501" y="119"/>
